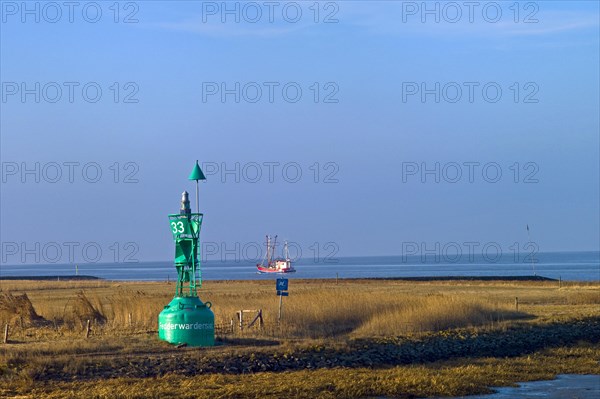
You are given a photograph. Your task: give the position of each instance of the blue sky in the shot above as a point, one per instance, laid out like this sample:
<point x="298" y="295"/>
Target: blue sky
<point x="360" y="144"/>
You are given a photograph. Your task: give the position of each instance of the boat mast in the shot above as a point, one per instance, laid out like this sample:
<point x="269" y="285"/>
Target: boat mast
<point x="268" y="249"/>
<point x="274" y="243"/>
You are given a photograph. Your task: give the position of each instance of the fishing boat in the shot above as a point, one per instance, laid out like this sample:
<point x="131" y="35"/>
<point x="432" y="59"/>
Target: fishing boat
<point x="270" y="264"/>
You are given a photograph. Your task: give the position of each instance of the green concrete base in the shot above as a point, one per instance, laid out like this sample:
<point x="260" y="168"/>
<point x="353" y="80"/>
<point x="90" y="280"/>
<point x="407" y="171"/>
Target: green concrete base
<point x="186" y="320"/>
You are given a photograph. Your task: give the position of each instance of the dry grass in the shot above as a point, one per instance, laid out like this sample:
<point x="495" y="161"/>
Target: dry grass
<point x="17" y="309"/>
<point x="586" y="297"/>
<point x="436" y="313"/>
<point x="313" y="309"/>
<point x="317" y="313"/>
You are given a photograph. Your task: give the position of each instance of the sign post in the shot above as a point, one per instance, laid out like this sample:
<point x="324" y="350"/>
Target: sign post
<point x="282" y="290"/>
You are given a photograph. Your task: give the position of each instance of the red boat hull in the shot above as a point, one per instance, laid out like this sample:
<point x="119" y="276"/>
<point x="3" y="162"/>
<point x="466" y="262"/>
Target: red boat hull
<point x="263" y="269"/>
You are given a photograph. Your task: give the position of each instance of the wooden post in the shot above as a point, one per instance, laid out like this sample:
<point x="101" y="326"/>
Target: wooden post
<point x="337" y="276"/>
<point x="516" y="303"/>
<point x="232" y="326"/>
<point x="260" y="322"/>
<point x="130" y="323"/>
<point x="6" y="333"/>
<point x="87" y="329"/>
<point x="241" y="317"/>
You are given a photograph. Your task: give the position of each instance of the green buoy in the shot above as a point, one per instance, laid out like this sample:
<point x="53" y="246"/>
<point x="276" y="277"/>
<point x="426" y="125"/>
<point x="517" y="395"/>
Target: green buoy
<point x="186" y="319"/>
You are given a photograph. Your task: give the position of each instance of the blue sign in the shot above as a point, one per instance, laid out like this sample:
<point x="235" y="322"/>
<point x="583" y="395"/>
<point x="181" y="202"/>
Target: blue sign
<point x="283" y="293"/>
<point x="282" y="284"/>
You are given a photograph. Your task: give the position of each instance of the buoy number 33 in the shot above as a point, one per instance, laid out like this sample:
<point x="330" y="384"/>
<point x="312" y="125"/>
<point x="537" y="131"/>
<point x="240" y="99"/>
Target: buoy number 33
<point x="177" y="227"/>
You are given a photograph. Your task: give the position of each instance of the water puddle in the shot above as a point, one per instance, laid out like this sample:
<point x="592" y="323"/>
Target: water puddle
<point x="566" y="386"/>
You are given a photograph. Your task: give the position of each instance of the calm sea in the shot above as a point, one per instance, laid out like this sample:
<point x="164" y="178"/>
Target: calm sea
<point x="581" y="266"/>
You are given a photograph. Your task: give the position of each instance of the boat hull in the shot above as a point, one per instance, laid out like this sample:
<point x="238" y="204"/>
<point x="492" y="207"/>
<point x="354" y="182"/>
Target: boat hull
<point x="263" y="269"/>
